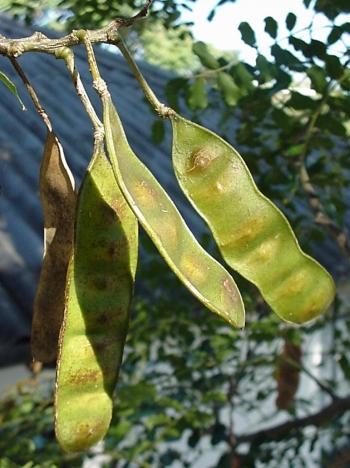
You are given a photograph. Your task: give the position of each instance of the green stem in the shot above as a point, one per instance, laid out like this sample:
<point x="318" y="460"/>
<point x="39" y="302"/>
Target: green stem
<point x="158" y="106"/>
<point x="89" y="108"/>
<point x="98" y="83"/>
<point x="95" y="72"/>
<point x="215" y="71"/>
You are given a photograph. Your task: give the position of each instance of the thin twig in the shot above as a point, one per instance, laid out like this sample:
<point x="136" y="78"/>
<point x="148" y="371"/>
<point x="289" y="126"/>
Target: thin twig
<point x="232" y="387"/>
<point x="324" y="416"/>
<point x="80" y="89"/>
<point x="214" y="71"/>
<point x="95" y="72"/>
<point x="322" y="385"/>
<point x="161" y="109"/>
<point x="143" y="12"/>
<point x="32" y="93"/>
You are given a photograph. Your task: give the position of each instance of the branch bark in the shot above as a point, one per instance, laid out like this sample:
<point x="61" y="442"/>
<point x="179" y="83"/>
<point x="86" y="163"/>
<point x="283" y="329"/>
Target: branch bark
<point x="38" y="42"/>
<point x="322" y="417"/>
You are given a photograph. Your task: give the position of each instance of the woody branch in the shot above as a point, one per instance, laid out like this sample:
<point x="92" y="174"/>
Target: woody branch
<point x="38" y="42"/>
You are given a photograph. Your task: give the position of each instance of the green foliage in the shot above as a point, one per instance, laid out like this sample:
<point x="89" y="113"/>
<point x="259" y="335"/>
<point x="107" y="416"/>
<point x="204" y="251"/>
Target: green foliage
<point x="205" y="56"/>
<point x="11" y="87"/>
<point x="197" y="94"/>
<point x="228" y="88"/>
<point x="175" y="52"/>
<point x="271" y="27"/>
<point x="247" y="33"/>
<point x="291" y="20"/>
<point x="330" y="8"/>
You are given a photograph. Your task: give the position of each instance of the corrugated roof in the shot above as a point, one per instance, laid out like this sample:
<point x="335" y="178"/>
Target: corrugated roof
<point x="22" y="137"/>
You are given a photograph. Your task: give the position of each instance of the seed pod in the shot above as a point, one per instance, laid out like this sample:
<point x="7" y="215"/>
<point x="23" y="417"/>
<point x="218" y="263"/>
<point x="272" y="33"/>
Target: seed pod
<point x="100" y="283"/>
<point x="58" y="200"/>
<point x="253" y="235"/>
<point x="205" y="278"/>
<point x="288" y="370"/>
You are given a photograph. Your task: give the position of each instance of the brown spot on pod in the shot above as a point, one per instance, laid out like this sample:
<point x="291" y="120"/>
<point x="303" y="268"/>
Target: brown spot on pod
<point x="228" y="179"/>
<point x="85" y="377"/>
<point x="101" y="282"/>
<point x="201" y="159"/>
<point x="229" y="287"/>
<point x="145" y="195"/>
<point x="193" y="268"/>
<point x="294" y="283"/>
<point x="244" y="234"/>
<point x="103" y="319"/>
<point x="266" y="251"/>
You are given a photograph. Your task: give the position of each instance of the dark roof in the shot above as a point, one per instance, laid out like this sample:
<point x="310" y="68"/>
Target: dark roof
<point x="22" y="136"/>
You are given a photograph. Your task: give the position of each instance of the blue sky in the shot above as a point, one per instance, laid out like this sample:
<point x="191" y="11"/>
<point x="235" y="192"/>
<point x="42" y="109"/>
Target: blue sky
<point x="223" y="31"/>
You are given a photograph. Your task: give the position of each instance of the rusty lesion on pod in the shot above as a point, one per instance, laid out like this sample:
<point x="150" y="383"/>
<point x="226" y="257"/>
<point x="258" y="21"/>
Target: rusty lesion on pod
<point x="295" y="283"/>
<point x="231" y="299"/>
<point x="145" y="194"/>
<point x="228" y="180"/>
<point x="201" y="159"/>
<point x="230" y="289"/>
<point x="311" y="311"/>
<point x="113" y="249"/>
<point x="266" y="251"/>
<point x="103" y="282"/>
<point x="245" y="234"/>
<point x="86" y="434"/>
<point x="85" y="377"/>
<point x="193" y="268"/>
<point x="88" y="430"/>
<point x="168" y="229"/>
<point x="103" y="319"/>
<point x="119" y="206"/>
<point x="292" y="286"/>
<point x="108" y="214"/>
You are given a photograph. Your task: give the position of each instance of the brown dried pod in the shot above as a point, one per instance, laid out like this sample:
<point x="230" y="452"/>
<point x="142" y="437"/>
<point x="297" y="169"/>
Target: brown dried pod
<point x="288" y="370"/>
<point x="58" y="199"/>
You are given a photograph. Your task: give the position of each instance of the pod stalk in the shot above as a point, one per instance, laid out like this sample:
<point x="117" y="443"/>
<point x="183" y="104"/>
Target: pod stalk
<point x="161" y="109"/>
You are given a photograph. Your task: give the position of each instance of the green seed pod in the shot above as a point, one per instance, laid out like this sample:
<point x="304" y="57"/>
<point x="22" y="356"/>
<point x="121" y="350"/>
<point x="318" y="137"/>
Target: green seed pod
<point x="253" y="235"/>
<point x="99" y="289"/>
<point x="58" y="200"/>
<point x="205" y="278"/>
